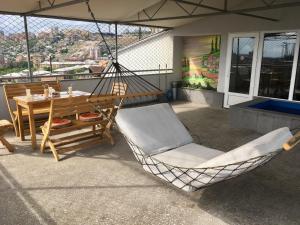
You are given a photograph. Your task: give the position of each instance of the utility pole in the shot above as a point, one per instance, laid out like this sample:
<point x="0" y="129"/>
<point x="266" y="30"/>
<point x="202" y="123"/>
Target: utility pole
<point x="50" y="63"/>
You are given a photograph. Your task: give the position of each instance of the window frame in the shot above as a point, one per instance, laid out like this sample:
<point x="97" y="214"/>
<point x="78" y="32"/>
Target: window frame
<point x="259" y="63"/>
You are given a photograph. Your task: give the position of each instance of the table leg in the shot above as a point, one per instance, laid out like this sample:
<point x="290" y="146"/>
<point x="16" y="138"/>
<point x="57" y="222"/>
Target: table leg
<point x="32" y="127"/>
<point x="20" y="123"/>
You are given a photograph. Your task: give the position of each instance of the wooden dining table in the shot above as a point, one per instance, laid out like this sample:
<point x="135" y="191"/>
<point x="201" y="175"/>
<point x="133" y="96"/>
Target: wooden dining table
<point x="37" y="101"/>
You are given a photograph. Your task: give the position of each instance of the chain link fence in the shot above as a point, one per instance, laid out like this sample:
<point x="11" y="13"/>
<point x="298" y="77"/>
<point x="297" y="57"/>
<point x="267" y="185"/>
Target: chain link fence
<point x="68" y="49"/>
<point x="13" y="47"/>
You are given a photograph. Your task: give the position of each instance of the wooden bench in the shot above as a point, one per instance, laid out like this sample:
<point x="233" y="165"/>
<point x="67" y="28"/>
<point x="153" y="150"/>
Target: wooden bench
<point x="4" y="126"/>
<point x="19" y="89"/>
<point x="70" y="108"/>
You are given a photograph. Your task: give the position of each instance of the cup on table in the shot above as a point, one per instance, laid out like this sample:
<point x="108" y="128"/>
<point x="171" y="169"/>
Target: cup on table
<point x="70" y="90"/>
<point x="46" y="92"/>
<point x="28" y="93"/>
<point x="51" y="91"/>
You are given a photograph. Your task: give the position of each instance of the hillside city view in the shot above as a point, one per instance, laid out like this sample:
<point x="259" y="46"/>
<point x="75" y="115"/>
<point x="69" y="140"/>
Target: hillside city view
<point x="61" y="49"/>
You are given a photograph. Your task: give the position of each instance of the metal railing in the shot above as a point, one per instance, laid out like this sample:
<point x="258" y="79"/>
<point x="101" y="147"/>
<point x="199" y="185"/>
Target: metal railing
<point x="28" y="44"/>
<point x="79" y="76"/>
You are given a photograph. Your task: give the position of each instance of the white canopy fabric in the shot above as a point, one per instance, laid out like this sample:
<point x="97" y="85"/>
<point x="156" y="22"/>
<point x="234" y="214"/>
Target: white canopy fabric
<point x="132" y="11"/>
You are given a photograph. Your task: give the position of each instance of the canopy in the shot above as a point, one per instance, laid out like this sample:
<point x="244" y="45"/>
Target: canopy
<point x="162" y="13"/>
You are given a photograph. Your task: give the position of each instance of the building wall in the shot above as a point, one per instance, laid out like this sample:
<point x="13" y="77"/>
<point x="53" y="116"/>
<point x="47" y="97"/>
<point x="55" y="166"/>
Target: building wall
<point x="225" y="24"/>
<point x="151" y="53"/>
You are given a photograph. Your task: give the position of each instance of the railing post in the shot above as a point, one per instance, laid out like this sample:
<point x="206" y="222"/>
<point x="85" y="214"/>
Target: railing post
<point x="159" y="76"/>
<point x="116" y="39"/>
<point x="140" y="33"/>
<point x="50" y="63"/>
<point x="28" y="48"/>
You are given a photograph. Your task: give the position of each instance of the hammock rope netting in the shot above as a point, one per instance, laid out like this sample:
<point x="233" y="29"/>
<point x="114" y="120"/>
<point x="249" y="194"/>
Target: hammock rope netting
<point x="193" y="179"/>
<point x="166" y="149"/>
<point x="130" y="86"/>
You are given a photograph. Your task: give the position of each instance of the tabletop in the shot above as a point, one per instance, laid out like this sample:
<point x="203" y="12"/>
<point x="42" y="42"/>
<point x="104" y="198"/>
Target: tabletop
<point x="37" y="98"/>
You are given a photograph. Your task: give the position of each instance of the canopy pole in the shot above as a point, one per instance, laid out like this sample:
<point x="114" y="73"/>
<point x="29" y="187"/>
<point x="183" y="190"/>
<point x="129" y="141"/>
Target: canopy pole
<point x="116" y="41"/>
<point x="28" y="48"/>
<point x="57" y="6"/>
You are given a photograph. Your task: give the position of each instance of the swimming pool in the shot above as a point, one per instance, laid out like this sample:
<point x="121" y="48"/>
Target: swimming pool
<point x="264" y="115"/>
<point x="278" y="106"/>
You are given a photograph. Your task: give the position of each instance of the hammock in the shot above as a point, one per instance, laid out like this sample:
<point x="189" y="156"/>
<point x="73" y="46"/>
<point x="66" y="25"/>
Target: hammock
<point x="137" y="87"/>
<point x="164" y="147"/>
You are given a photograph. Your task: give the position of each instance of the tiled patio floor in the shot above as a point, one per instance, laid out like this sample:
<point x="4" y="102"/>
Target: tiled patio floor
<point x="105" y="185"/>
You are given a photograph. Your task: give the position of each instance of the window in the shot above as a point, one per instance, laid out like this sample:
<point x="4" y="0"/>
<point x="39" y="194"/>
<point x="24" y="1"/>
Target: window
<point x="296" y="95"/>
<point x="241" y="64"/>
<point x="277" y="64"/>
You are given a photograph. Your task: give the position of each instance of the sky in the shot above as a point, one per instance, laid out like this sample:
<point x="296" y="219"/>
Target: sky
<point x="273" y="47"/>
<point x="15" y="24"/>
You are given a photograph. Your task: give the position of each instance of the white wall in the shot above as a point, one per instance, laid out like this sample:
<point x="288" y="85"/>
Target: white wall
<point x="149" y="53"/>
<point x="225" y="24"/>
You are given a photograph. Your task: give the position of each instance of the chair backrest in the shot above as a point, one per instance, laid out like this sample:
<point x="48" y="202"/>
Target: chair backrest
<point x="19" y="89"/>
<point x="120" y="89"/>
<point x="75" y="105"/>
<point x="153" y="128"/>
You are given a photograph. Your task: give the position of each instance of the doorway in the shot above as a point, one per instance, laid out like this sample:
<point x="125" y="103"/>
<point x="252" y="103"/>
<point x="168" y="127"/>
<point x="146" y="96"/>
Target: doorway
<point x="240" y="68"/>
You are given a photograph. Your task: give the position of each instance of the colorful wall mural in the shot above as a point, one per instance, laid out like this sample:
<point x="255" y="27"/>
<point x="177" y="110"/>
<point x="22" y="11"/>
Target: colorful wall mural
<point x="200" y="63"/>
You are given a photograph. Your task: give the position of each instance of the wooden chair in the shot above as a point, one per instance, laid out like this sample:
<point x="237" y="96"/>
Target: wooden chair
<point x="70" y="108"/>
<point x="4" y="126"/>
<point x="120" y="89"/>
<point x="19" y="89"/>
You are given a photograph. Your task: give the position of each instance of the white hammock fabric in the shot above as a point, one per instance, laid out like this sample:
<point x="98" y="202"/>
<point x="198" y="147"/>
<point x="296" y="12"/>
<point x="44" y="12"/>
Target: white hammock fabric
<point x="164" y="147"/>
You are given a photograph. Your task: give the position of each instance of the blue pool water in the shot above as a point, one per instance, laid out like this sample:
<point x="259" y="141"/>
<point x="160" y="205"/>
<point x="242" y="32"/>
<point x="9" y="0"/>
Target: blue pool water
<point x="278" y="106"/>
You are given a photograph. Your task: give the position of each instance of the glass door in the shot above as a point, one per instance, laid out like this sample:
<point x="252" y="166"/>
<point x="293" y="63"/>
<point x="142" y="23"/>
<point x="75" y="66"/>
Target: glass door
<point x="240" y="71"/>
<point x="276" y="65"/>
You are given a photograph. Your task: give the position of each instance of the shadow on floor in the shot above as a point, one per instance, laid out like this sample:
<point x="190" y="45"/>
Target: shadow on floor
<point x="103" y="151"/>
<point x="17" y="206"/>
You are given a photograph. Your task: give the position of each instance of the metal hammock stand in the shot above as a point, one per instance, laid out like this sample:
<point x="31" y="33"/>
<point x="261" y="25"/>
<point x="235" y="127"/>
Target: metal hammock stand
<point x="130" y="85"/>
<point x="193" y="179"/>
<point x="165" y="160"/>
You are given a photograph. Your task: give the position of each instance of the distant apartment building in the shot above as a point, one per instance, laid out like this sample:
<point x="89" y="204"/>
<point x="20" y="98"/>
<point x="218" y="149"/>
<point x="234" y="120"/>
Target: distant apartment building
<point x="21" y="58"/>
<point x="36" y="60"/>
<point x="95" y="53"/>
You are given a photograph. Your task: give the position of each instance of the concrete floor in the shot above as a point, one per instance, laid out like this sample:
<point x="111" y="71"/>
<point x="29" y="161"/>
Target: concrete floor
<point x="105" y="185"/>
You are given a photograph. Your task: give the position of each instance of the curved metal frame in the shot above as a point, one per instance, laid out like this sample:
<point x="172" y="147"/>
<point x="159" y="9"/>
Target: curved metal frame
<point x="193" y="179"/>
